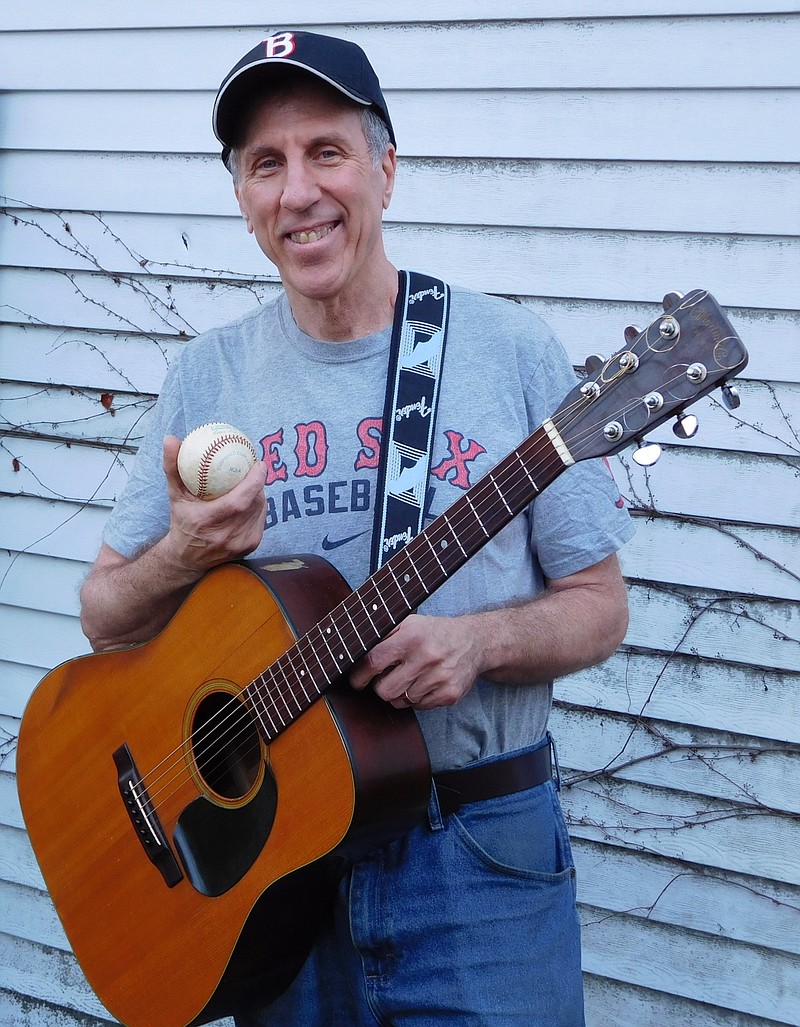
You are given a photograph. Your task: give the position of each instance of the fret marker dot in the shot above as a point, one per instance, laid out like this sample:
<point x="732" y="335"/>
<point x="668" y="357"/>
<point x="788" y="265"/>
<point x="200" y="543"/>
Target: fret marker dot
<point x="406" y="577"/>
<point x="374" y="606"/>
<point x="443" y="543"/>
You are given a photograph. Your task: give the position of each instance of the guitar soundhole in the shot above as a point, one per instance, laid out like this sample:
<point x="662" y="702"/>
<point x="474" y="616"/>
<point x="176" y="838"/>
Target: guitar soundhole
<point x="226" y="746"/>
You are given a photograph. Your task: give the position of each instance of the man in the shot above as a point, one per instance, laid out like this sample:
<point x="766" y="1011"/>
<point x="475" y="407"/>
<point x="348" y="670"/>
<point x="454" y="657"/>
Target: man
<point x="471" y="917"/>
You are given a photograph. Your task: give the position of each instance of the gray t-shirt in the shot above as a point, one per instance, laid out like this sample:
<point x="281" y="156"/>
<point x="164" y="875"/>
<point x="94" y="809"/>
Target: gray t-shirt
<point x="313" y="410"/>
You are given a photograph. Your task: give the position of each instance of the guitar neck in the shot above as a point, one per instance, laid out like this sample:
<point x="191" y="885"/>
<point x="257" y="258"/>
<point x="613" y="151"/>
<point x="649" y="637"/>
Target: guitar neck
<point x="295" y="681"/>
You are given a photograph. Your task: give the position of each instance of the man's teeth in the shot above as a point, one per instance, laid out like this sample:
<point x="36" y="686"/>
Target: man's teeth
<point x="313" y="236"/>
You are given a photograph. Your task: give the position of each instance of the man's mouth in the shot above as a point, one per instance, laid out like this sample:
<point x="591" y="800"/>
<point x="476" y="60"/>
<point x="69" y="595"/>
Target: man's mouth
<point x="313" y="235"/>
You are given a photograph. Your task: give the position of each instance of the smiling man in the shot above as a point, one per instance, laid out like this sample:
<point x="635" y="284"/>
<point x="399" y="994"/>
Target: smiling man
<point x="469" y="918"/>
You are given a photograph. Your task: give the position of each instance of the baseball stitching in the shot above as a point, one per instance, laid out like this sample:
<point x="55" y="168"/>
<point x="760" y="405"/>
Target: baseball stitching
<point x="208" y="455"/>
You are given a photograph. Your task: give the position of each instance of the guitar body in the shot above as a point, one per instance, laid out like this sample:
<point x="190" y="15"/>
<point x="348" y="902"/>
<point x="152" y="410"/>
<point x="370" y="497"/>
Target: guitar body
<point x="191" y="864"/>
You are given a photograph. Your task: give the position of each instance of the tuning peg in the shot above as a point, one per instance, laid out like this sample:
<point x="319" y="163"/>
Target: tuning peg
<point x="594" y="363"/>
<point x="671" y="300"/>
<point x="647" y="454"/>
<point x="731" y="397"/>
<point x="686" y="426"/>
<point x="631" y="333"/>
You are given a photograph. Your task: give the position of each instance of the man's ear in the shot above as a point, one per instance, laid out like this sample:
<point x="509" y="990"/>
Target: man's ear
<point x="389" y="168"/>
<point x="243" y="208"/>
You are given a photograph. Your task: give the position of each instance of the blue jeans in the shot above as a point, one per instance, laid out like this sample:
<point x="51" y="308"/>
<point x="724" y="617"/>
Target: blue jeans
<point x="468" y="921"/>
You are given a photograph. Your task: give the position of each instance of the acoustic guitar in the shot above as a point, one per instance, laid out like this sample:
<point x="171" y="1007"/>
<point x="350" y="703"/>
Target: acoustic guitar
<point x="193" y="801"/>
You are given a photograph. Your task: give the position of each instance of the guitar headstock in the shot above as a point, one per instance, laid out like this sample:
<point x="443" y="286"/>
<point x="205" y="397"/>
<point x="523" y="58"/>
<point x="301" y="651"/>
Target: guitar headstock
<point x="683" y="354"/>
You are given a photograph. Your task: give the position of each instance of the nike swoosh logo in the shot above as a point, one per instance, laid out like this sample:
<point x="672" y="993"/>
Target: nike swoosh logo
<point x="327" y="545"/>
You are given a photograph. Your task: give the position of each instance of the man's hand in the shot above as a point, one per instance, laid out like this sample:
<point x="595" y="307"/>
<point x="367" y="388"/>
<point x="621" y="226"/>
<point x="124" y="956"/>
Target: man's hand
<point x="425" y="662"/>
<point x="204" y="533"/>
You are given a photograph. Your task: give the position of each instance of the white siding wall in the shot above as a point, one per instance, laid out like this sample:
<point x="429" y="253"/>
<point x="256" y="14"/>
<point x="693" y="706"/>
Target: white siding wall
<point x="582" y="156"/>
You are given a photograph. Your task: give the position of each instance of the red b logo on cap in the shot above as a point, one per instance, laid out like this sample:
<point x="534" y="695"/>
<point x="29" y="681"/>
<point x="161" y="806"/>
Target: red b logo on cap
<point x="281" y="45"/>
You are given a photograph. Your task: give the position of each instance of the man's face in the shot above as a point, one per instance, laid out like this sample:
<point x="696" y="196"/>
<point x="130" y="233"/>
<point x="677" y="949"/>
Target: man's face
<point x="310" y="194"/>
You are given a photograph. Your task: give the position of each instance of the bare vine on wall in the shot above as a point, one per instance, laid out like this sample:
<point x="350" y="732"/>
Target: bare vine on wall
<point x="149" y="310"/>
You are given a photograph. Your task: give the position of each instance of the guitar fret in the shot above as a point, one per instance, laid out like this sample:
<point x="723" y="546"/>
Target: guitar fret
<point x="435" y="554"/>
<point x="454" y="533"/>
<point x="281" y="692"/>
<point x="407" y="556"/>
<point x="338" y="658"/>
<point x="468" y="501"/>
<point x="355" y="629"/>
<point x="518" y="455"/>
<point x="499" y="492"/>
<point x="302" y="673"/>
<point x="374" y="585"/>
<point x="399" y="587"/>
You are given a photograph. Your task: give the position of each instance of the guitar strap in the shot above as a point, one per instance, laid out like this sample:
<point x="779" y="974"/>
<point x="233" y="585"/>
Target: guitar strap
<point x="412" y="393"/>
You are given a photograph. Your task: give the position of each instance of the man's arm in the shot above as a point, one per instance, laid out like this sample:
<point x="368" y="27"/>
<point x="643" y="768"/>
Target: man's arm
<point x="124" y="601"/>
<point x="576" y="622"/>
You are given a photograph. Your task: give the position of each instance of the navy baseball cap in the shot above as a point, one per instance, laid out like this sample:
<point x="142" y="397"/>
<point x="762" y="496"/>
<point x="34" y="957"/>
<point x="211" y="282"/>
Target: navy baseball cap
<point x="340" y="63"/>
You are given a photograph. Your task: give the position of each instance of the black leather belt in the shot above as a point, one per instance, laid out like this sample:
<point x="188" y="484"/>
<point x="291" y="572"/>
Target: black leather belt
<point x="455" y="788"/>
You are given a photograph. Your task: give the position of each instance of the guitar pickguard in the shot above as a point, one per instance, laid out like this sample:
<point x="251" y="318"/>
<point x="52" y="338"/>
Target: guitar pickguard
<point x="218" y="845"/>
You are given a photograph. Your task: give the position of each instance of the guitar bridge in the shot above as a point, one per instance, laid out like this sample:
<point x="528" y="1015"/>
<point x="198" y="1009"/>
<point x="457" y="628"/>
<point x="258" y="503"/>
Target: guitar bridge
<point x="143" y="818"/>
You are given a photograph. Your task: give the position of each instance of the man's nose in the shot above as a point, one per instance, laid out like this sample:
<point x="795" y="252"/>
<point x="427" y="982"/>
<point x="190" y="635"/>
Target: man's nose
<point x="300" y="188"/>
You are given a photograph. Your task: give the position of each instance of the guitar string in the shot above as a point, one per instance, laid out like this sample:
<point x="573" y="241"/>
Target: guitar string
<point x="233" y="712"/>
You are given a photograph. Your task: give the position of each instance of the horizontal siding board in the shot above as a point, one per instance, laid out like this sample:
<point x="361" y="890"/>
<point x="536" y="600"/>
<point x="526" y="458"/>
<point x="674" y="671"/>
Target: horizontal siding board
<point x="739" y="125"/>
<point x="625" y="1005"/>
<point x="768" y="421"/>
<point x="59" y="471"/>
<point x="142" y="303"/>
<point x="723" y="905"/>
<point x="67" y="530"/>
<point x="735" y="767"/>
<point x="747" y="980"/>
<point x="40" y="582"/>
<point x="88" y="300"/>
<point x="32" y="916"/>
<point x="741" y="559"/>
<point x="66" y="985"/>
<point x="18" y="1010"/>
<point x="691" y="828"/>
<point x="696" y="482"/>
<point x="73" y="414"/>
<point x="53" y="637"/>
<point x="17" y="681"/>
<point x="39" y="14"/>
<point x="10" y="812"/>
<point x="756" y="271"/>
<point x="79" y="358"/>
<point x="535" y="54"/>
<point x="17" y="862"/>
<point x="589" y="326"/>
<point x="635" y="195"/>
<point x="702" y="623"/>
<point x="683" y="690"/>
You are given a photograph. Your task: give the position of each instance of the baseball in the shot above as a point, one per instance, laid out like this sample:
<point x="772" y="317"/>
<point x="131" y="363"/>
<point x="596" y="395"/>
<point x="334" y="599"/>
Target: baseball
<point x="213" y="458"/>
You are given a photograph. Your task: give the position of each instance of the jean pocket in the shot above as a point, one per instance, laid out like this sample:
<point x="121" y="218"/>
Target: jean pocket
<point x="522" y="835"/>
